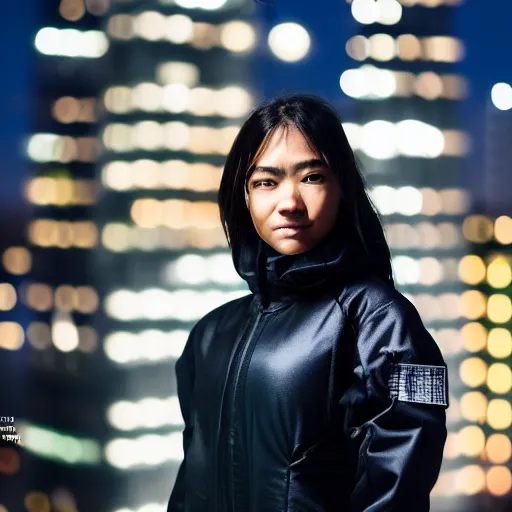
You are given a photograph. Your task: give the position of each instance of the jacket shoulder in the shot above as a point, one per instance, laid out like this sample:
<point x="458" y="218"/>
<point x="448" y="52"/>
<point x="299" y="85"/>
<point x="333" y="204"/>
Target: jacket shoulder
<point x="365" y="297"/>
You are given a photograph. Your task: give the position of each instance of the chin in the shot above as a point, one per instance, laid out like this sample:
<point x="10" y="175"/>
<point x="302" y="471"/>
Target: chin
<point x="291" y="247"/>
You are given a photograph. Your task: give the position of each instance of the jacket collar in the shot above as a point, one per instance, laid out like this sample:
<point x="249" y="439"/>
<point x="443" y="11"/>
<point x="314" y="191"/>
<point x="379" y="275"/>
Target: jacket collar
<point x="279" y="278"/>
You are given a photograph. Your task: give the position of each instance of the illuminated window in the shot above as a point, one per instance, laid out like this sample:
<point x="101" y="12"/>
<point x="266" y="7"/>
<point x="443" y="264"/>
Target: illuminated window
<point x="39" y="297"/>
<point x="72" y="10"/>
<point x="8" y="297"/>
<point x="121" y="26"/>
<point x="503" y="230"/>
<point x="12" y="336"/>
<point x="478" y="228"/>
<point x="39" y="335"/>
<point x="473" y="372"/>
<point x="17" y="260"/>
<point x="474" y="336"/>
<point x="499" y="481"/>
<point x="472" y="269"/>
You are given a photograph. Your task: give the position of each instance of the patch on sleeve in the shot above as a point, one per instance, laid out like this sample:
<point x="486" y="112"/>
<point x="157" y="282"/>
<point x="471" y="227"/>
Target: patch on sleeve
<point x="419" y="383"/>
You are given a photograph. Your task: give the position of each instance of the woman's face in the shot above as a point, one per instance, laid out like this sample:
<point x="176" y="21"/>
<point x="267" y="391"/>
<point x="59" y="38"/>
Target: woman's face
<point x="293" y="197"/>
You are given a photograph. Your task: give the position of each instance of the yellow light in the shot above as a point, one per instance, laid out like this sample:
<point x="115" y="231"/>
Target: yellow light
<point x="499" y="414"/>
<point x="499" y="343"/>
<point x="409" y="47"/>
<point x="478" y="228"/>
<point x="238" y="36"/>
<point x="499" y="274"/>
<point x="498" y="448"/>
<point x="473" y="406"/>
<point x="499" y="308"/>
<point x="472" y="269"/>
<point x="474" y="336"/>
<point x="11" y="335"/>
<point x="36" y="501"/>
<point x="473" y="371"/>
<point x="499" y="480"/>
<point x="499" y="378"/>
<point x="473" y="304"/>
<point x="471" y="441"/>
<point x="17" y="260"/>
<point x="8" y="297"/>
<point x="503" y="230"/>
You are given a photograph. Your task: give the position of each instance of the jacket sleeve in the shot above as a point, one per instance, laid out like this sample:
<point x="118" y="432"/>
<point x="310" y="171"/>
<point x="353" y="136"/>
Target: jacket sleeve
<point x="184" y="369"/>
<point x="395" y="409"/>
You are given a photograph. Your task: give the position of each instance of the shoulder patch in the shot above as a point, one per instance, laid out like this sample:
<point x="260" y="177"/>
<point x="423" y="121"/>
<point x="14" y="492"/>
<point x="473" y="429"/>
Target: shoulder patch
<point x="419" y="383"/>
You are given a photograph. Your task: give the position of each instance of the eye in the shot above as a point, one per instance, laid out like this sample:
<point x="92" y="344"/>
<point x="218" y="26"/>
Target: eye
<point x="262" y="183"/>
<point x="320" y="178"/>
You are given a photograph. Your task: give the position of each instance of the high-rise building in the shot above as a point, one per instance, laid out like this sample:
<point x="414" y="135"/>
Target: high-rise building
<point x="486" y="368"/>
<point x="60" y="423"/>
<point x="180" y="86"/>
<point x="408" y="138"/>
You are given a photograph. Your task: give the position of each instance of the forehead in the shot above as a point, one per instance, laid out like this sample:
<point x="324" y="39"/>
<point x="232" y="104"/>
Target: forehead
<point x="286" y="144"/>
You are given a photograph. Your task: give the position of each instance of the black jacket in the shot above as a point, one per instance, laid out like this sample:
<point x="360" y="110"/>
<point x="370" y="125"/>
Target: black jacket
<point x="320" y="391"/>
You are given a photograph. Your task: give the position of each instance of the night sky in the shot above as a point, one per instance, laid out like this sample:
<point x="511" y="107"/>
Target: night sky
<point x="483" y="25"/>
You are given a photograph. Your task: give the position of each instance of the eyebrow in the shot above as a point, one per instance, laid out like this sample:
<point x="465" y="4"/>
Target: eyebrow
<point x="296" y="169"/>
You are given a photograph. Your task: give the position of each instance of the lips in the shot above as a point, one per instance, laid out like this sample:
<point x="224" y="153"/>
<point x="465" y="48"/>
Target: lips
<point x="294" y="226"/>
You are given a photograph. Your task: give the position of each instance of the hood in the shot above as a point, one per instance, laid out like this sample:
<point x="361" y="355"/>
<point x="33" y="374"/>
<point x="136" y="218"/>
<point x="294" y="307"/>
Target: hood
<point x="277" y="276"/>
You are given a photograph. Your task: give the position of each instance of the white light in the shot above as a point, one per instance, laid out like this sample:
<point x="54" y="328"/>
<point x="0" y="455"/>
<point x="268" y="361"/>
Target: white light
<point x="190" y="269"/>
<point x="238" y="36"/>
<point x="384" y="199"/>
<point x="415" y="138"/>
<point x="378" y="140"/>
<point x="147" y="450"/>
<point x="71" y="42"/>
<point x="122" y="304"/>
<point x="64" y="332"/>
<point x="365" y="11"/>
<point x="185" y="305"/>
<point x="406" y="270"/>
<point x="289" y="41"/>
<point x="179" y="29"/>
<point x="178" y="72"/>
<point x="501" y="95"/>
<point x="41" y="146"/>
<point x="409" y="201"/>
<point x="47" y="41"/>
<point x="368" y="82"/>
<point x="207" y="5"/>
<point x="176" y="98"/>
<point x="390" y="12"/>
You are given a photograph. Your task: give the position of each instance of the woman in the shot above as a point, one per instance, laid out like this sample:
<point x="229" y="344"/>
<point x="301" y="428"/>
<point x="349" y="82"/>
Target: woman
<point x="321" y="390"/>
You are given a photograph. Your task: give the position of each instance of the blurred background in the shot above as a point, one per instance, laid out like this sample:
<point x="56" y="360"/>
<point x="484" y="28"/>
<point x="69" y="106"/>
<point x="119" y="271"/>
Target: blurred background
<point x="115" y="119"/>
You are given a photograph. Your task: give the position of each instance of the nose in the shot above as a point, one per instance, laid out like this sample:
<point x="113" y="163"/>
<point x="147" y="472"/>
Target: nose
<point x="291" y="200"/>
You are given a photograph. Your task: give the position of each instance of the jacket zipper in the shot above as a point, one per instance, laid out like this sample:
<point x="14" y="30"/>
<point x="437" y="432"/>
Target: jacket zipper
<point x="240" y="365"/>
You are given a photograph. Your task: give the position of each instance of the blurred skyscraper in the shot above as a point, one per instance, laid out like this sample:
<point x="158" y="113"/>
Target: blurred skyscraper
<point x="62" y="423"/>
<point x="411" y="146"/>
<point x="180" y="85"/>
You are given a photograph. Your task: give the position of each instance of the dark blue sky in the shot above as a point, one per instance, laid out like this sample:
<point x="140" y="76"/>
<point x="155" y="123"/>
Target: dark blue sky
<point x="483" y="25"/>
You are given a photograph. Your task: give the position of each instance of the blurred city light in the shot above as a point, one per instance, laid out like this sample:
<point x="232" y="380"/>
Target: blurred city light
<point x="289" y="42"/>
<point x="71" y="42"/>
<point x="501" y="96"/>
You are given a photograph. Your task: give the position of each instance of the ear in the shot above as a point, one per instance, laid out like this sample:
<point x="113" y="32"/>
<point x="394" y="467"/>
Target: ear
<point x="246" y="197"/>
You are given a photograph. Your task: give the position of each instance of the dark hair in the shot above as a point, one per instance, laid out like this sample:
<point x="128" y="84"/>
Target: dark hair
<point x="321" y="127"/>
